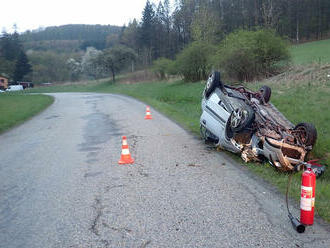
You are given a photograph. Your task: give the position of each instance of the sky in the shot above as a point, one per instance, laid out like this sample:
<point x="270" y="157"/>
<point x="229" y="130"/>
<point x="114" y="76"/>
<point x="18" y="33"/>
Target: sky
<point x="32" y="14"/>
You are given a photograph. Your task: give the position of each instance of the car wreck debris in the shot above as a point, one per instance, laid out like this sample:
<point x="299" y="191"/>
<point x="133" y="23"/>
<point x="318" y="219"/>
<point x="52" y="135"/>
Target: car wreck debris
<point x="243" y="121"/>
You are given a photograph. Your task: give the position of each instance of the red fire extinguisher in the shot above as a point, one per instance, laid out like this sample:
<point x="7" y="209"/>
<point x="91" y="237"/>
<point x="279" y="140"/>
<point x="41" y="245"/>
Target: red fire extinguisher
<point x="307" y="200"/>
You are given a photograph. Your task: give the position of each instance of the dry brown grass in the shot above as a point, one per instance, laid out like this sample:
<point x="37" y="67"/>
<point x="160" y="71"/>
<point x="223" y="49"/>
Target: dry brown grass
<point x="138" y="76"/>
<point x="313" y="74"/>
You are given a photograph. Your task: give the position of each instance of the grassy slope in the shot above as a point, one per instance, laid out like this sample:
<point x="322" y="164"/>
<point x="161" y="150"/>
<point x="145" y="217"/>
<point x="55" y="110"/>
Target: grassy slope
<point x="312" y="52"/>
<point x="16" y="108"/>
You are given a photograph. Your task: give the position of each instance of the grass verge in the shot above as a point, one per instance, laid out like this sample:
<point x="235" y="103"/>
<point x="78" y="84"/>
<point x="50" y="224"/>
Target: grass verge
<point x="17" y="107"/>
<point x="302" y="96"/>
<point x="311" y="52"/>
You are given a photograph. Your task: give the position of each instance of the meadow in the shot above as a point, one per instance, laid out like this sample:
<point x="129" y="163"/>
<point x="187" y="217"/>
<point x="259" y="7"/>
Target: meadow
<point x="311" y="52"/>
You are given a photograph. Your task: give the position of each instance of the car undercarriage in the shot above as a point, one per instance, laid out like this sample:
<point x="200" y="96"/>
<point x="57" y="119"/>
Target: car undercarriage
<point x="244" y="121"/>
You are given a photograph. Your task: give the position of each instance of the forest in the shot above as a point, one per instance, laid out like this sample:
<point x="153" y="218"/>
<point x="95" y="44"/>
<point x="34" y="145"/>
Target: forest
<point x="164" y="35"/>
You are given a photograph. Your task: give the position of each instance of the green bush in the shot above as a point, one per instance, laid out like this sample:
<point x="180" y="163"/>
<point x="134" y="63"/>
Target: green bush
<point x="194" y="62"/>
<point x="245" y="55"/>
<point x="162" y="66"/>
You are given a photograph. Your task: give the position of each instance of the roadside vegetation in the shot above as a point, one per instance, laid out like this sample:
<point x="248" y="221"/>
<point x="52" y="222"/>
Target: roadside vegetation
<point x="16" y="108"/>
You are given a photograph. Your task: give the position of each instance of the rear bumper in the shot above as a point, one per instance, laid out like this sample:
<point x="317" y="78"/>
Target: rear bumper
<point x="283" y="155"/>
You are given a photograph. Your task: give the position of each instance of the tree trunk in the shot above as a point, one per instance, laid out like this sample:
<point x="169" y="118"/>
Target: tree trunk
<point x="256" y="22"/>
<point x="297" y="31"/>
<point x="297" y="22"/>
<point x="132" y="66"/>
<point x="113" y="74"/>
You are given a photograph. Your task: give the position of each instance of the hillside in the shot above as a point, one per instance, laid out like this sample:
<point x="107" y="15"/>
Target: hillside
<point x="72" y="32"/>
<point x="69" y="37"/>
<point x="311" y="52"/>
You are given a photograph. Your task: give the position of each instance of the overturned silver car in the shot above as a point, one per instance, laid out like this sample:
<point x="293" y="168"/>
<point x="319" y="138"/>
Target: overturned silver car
<point x="245" y="122"/>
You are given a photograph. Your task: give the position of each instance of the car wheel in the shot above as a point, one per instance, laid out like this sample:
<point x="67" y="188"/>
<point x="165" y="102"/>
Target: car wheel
<point x="306" y="133"/>
<point x="212" y="82"/>
<point x="241" y="118"/>
<point x="265" y="93"/>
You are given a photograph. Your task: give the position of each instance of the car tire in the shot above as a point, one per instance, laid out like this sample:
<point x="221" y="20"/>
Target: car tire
<point x="265" y="93"/>
<point x="212" y="82"/>
<point x="241" y="118"/>
<point x="308" y="133"/>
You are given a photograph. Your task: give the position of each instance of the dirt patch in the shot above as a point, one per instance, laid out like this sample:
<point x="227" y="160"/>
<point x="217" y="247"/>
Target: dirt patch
<point x="138" y="76"/>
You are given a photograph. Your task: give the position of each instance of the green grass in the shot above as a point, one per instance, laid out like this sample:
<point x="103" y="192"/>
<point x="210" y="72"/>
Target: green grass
<point x="311" y="52"/>
<point x="15" y="108"/>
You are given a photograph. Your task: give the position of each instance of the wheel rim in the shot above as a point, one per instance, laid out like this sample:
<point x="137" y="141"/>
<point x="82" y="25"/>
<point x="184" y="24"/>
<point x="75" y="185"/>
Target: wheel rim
<point x="238" y="117"/>
<point x="209" y="81"/>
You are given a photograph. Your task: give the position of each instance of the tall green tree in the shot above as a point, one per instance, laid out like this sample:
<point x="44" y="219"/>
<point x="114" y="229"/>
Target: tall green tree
<point x="10" y="46"/>
<point x="147" y="33"/>
<point x="11" y="55"/>
<point x="22" y="67"/>
<point x="130" y="36"/>
<point x="115" y="59"/>
<point x="206" y="25"/>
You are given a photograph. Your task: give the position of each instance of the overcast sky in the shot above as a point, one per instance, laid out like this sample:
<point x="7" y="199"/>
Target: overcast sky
<point x="32" y="14"/>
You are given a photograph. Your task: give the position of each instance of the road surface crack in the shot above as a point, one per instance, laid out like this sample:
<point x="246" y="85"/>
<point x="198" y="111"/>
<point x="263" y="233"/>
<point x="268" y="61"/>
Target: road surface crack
<point x="99" y="211"/>
<point x="108" y="188"/>
<point x="134" y="141"/>
<point x="144" y="244"/>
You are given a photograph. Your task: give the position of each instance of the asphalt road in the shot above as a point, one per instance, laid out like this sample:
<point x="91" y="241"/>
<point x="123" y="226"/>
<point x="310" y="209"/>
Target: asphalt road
<point x="61" y="186"/>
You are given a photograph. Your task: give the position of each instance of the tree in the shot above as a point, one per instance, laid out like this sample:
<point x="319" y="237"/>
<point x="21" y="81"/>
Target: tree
<point x="245" y="55"/>
<point x="10" y="46"/>
<point x="130" y="36"/>
<point x="88" y="62"/>
<point x="193" y="63"/>
<point x="10" y="50"/>
<point x="116" y="59"/>
<point x="50" y="66"/>
<point x="22" y="67"/>
<point x="75" y="68"/>
<point x="147" y="32"/>
<point x="206" y="26"/>
<point x="161" y="67"/>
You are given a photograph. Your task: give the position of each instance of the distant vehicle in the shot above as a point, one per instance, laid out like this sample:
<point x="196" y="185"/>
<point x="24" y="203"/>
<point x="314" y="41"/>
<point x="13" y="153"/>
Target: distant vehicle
<point x="1" y="91"/>
<point x="26" y="84"/>
<point x="15" y="88"/>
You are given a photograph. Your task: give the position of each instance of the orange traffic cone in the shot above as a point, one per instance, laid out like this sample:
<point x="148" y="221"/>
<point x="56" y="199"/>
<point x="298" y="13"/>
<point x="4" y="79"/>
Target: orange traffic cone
<point x="125" y="155"/>
<point x="148" y="114"/>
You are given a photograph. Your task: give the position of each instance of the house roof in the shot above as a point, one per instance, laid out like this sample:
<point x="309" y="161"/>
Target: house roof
<point x="3" y="76"/>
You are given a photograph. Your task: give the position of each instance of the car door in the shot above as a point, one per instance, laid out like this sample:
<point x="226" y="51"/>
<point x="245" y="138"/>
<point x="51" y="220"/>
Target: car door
<point x="215" y="113"/>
